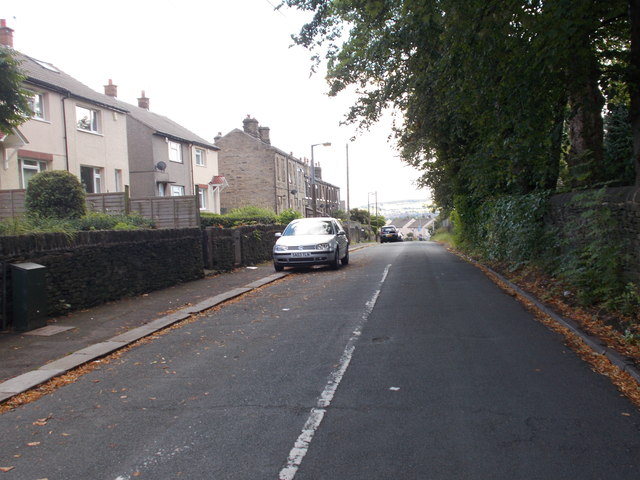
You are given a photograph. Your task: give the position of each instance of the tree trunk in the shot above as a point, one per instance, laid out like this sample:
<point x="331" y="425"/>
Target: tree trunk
<point x="586" y="129"/>
<point x="634" y="83"/>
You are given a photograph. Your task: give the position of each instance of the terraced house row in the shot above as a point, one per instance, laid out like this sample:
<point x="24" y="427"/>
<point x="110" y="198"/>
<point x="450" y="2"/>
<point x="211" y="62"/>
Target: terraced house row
<point x="109" y="144"/>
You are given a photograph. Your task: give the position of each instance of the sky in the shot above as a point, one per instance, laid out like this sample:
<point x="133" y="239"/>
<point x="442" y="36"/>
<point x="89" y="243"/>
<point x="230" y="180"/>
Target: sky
<point x="207" y="64"/>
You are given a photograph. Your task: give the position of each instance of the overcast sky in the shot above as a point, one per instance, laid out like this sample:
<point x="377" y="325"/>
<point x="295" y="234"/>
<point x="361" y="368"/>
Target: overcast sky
<point x="207" y="64"/>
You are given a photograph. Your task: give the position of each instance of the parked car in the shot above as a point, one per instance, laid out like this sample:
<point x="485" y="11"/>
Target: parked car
<point x="311" y="241"/>
<point x="389" y="234"/>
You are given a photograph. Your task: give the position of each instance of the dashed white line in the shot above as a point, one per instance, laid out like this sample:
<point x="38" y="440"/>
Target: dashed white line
<point x="301" y="446"/>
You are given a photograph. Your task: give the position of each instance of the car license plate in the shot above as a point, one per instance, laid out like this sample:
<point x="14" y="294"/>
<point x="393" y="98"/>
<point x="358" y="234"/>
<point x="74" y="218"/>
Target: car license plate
<point x="300" y="254"/>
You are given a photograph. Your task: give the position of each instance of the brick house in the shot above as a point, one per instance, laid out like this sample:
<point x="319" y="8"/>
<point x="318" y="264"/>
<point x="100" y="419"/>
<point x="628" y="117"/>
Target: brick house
<point x="73" y="128"/>
<point x="262" y="175"/>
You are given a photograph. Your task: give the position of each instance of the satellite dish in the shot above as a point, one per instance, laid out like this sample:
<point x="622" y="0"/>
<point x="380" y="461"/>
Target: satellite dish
<point x="161" y="166"/>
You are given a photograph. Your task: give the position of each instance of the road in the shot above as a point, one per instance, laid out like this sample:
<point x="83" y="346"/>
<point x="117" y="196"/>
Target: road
<point x="406" y="364"/>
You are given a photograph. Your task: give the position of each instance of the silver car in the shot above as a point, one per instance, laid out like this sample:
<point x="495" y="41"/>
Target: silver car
<point x="311" y="241"/>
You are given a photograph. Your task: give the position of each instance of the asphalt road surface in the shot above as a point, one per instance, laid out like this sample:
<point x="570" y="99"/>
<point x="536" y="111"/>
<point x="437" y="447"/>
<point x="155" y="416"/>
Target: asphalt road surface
<point x="406" y="364"/>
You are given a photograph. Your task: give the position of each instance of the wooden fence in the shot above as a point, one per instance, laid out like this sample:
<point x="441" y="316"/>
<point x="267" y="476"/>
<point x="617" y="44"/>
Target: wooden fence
<point x="166" y="212"/>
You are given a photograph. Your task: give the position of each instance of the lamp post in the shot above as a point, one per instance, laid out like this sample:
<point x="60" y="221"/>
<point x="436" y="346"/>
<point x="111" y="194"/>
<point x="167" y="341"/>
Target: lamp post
<point x="348" y="211"/>
<point x="368" y="194"/>
<point x="313" y="178"/>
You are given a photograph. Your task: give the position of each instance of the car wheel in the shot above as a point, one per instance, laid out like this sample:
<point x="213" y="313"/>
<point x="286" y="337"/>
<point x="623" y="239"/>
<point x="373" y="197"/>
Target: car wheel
<point x="335" y="264"/>
<point x="345" y="260"/>
<point x="278" y="268"/>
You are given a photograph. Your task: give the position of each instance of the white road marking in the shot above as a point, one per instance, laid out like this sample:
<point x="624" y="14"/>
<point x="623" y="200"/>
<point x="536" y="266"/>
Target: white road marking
<point x="310" y="427"/>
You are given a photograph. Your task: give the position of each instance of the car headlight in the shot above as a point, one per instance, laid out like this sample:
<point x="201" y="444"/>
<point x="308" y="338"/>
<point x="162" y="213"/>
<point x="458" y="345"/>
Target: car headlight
<point x="323" y="246"/>
<point x="280" y="248"/>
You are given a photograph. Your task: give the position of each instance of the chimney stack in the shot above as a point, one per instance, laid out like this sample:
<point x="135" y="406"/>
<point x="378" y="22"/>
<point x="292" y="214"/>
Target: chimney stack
<point x="6" y="34"/>
<point x="143" y="102"/>
<point x="111" y="90"/>
<point x="264" y="134"/>
<point x="250" y="126"/>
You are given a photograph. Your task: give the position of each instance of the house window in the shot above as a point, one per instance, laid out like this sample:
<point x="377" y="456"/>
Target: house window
<point x="118" y="182"/>
<point x="177" y="190"/>
<point x="36" y="103"/>
<point x="202" y="197"/>
<point x="199" y="157"/>
<point x="91" y="179"/>
<point x="87" y="119"/>
<point x="162" y="189"/>
<point x="29" y="168"/>
<point x="175" y="152"/>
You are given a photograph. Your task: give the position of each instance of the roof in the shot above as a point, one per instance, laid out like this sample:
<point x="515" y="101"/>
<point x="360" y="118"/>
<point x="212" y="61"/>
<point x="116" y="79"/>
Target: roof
<point x="165" y="126"/>
<point x="47" y="75"/>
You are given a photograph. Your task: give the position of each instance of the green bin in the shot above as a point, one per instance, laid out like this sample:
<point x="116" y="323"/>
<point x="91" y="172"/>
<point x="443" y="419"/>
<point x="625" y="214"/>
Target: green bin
<point x="28" y="283"/>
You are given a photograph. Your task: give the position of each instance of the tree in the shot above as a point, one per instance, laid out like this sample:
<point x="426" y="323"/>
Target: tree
<point x="15" y="106"/>
<point x="55" y="194"/>
<point x="486" y="89"/>
<point x="360" y="215"/>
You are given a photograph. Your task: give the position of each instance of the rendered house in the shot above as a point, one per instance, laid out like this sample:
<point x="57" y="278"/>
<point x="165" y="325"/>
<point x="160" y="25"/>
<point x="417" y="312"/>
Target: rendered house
<point x="73" y="128"/>
<point x="166" y="159"/>
<point x="262" y="175"/>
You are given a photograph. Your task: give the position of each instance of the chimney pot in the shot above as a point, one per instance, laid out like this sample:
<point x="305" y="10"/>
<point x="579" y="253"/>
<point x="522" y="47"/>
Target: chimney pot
<point x="6" y="34"/>
<point x="143" y="102"/>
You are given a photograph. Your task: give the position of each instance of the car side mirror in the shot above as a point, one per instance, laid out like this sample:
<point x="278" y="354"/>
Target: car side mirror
<point x="278" y="234"/>
<point x="342" y="232"/>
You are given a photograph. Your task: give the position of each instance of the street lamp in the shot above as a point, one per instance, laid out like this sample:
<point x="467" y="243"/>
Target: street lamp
<point x="313" y="178"/>
<point x="368" y="207"/>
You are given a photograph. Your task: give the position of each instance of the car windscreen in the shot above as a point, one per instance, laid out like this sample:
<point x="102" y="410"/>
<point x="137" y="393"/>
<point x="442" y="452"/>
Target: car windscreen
<point x="309" y="228"/>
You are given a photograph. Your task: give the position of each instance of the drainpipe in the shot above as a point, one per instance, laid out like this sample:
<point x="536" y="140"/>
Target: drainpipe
<point x="66" y="140"/>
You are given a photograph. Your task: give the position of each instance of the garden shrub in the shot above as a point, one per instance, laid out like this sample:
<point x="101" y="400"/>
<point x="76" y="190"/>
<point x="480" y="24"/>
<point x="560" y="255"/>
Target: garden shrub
<point x="55" y="194"/>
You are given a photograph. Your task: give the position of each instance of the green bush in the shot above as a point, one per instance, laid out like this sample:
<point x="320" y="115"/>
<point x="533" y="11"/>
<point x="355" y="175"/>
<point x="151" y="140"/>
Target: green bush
<point x="285" y="217"/>
<point x="240" y="216"/>
<point x="103" y="221"/>
<point x="55" y="194"/>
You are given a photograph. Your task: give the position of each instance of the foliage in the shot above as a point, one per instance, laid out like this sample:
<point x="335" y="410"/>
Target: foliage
<point x="483" y="89"/>
<point x="341" y="215"/>
<point x="103" y="221"/>
<point x="92" y="221"/>
<point x="359" y="215"/>
<point x="589" y="258"/>
<point x="55" y="194"/>
<point x="15" y="107"/>
<point x="249" y="215"/>
<point x="285" y="217"/>
<point x="514" y="228"/>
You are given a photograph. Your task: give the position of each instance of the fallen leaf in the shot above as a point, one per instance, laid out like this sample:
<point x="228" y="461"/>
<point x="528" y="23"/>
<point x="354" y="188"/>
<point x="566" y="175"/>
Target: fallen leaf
<point x="626" y="414"/>
<point x="6" y="469"/>
<point x="33" y="444"/>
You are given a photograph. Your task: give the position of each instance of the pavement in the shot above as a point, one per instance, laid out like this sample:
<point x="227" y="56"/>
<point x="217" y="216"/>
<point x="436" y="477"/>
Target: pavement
<point x="28" y="359"/>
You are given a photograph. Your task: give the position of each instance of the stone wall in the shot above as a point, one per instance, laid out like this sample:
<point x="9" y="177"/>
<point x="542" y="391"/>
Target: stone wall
<point x="624" y="204"/>
<point x="226" y="248"/>
<point x="95" y="267"/>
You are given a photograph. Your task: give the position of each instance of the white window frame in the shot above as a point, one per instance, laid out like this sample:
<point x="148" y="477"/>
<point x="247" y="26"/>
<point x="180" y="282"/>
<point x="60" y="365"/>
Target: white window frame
<point x="118" y="180"/>
<point x="177" y="190"/>
<point x="36" y="166"/>
<point x="175" y="151"/>
<point x="90" y="123"/>
<point x="199" y="157"/>
<point x="162" y="189"/>
<point x="96" y="178"/>
<point x="36" y="102"/>
<point x="202" y="197"/>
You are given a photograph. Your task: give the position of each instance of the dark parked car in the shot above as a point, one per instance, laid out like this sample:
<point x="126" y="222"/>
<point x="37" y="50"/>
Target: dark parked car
<point x="389" y="234"/>
<point x="311" y="241"/>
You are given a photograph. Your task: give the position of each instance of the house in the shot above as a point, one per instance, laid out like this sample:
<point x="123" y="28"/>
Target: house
<point x="166" y="159"/>
<point x="262" y="175"/>
<point x="73" y="128"/>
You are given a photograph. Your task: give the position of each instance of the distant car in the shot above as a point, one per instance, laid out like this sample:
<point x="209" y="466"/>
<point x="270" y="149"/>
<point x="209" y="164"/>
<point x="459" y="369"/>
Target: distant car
<point x="311" y="241"/>
<point x="389" y="234"/>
